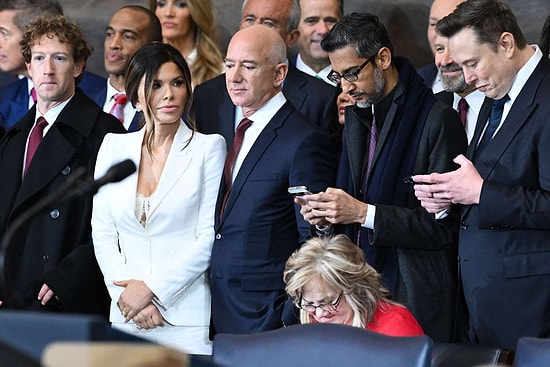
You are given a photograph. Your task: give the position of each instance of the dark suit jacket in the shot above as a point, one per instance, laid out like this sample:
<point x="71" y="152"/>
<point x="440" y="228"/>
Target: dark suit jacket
<point x="261" y="225"/>
<point x="428" y="73"/>
<point x="14" y="97"/>
<point x="100" y="98"/>
<point x="426" y="248"/>
<point x="54" y="246"/>
<point x="505" y="239"/>
<point x="314" y="98"/>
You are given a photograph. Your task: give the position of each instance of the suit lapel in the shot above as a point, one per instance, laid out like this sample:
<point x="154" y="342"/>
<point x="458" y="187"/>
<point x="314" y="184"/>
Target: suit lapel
<point x="262" y="143"/>
<point x="177" y="163"/>
<point x="293" y="87"/>
<point x="482" y="118"/>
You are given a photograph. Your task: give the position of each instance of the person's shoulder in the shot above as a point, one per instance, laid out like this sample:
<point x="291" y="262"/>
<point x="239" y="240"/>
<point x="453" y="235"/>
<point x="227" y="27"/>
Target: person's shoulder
<point x="213" y="84"/>
<point x="396" y="320"/>
<point x="298" y="77"/>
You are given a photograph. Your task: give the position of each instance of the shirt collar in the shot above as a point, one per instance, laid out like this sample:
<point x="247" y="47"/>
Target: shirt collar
<point x="524" y="73"/>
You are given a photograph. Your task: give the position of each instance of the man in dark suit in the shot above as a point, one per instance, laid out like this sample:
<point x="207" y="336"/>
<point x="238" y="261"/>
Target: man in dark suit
<point x="49" y="261"/>
<point x="309" y="95"/>
<point x="17" y="96"/>
<point x="130" y="27"/>
<point x="396" y="129"/>
<point x="430" y="72"/>
<point x="503" y="183"/>
<point x="257" y="223"/>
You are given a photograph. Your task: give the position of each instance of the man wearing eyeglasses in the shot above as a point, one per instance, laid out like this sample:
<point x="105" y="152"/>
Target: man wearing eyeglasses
<point x="396" y="129"/>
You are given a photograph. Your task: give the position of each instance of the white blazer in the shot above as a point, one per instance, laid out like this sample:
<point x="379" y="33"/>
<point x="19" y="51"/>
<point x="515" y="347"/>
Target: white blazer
<point x="172" y="253"/>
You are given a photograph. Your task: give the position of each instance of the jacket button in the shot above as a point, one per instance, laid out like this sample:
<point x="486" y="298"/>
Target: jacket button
<point x="218" y="236"/>
<point x="54" y="214"/>
<point x="45" y="258"/>
<point x="464" y="225"/>
<point x="66" y="170"/>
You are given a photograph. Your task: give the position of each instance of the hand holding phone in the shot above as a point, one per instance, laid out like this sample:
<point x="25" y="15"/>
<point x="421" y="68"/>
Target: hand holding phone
<point x="299" y="191"/>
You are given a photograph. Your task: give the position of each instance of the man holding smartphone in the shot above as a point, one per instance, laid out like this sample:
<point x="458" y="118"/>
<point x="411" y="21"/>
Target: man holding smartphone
<point x="396" y="128"/>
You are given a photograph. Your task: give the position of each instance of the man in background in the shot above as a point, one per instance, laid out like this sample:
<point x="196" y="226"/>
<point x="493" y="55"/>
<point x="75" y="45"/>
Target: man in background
<point x="317" y="19"/>
<point x="430" y="72"/>
<point x="18" y="96"/>
<point x="130" y="27"/>
<point x="309" y="95"/>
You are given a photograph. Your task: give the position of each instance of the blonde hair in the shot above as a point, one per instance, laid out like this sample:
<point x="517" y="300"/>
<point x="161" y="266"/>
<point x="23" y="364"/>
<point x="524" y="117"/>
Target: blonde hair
<point x="209" y="61"/>
<point x="340" y="265"/>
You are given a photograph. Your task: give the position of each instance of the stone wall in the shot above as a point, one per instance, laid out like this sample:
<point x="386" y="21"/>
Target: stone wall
<point x="406" y="21"/>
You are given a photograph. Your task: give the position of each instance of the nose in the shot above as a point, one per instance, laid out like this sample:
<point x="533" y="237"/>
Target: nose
<point x="114" y="43"/>
<point x="322" y="28"/>
<point x="233" y="74"/>
<point x="469" y="77"/>
<point x="319" y="312"/>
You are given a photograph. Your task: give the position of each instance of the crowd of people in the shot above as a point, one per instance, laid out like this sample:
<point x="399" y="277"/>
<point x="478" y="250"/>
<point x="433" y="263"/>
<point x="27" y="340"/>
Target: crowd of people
<point x="404" y="172"/>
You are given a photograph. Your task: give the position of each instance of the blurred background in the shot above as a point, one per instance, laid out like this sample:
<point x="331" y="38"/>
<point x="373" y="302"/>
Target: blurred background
<point x="406" y="22"/>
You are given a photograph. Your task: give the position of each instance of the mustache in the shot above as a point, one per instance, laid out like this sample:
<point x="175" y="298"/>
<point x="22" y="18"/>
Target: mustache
<point x="452" y="67"/>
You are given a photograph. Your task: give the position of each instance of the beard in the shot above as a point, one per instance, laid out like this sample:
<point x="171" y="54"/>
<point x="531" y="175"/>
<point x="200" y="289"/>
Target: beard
<point x="378" y="85"/>
<point x="454" y="84"/>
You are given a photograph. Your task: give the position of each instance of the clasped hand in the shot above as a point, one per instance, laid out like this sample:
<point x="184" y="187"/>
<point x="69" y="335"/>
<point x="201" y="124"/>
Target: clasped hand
<point x="135" y="303"/>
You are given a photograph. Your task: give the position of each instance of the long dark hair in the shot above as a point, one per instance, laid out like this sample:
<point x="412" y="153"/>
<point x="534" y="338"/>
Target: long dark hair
<point x="146" y="62"/>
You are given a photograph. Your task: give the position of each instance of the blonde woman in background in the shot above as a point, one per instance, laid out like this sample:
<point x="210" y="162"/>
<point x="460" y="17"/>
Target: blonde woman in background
<point x="190" y="27"/>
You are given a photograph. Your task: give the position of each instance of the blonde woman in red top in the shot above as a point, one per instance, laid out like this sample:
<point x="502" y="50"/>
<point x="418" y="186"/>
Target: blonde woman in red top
<point x="330" y="282"/>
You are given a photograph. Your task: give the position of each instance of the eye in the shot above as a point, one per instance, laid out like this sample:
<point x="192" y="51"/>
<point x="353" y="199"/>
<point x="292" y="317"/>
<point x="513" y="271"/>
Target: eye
<point x="109" y="34"/>
<point x="161" y="4"/>
<point x="178" y="83"/>
<point x="229" y="65"/>
<point x="156" y="85"/>
<point x="249" y="20"/>
<point x="181" y="5"/>
<point x="129" y="36"/>
<point x="59" y="58"/>
<point x="269" y="23"/>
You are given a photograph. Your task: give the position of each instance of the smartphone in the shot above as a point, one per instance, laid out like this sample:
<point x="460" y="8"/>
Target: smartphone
<point x="409" y="180"/>
<point x="298" y="190"/>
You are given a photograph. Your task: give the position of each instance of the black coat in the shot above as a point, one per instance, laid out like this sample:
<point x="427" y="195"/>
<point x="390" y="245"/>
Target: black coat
<point x="54" y="246"/>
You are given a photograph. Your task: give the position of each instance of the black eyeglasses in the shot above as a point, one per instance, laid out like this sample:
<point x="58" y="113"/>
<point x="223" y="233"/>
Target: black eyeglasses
<point x="350" y="76"/>
<point x="329" y="307"/>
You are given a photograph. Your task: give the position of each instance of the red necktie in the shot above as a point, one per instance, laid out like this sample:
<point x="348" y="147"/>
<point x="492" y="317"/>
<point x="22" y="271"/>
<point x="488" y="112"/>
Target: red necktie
<point x="231" y="157"/>
<point x="33" y="94"/>
<point x="118" y="108"/>
<point x="463" y="110"/>
<point x="35" y="139"/>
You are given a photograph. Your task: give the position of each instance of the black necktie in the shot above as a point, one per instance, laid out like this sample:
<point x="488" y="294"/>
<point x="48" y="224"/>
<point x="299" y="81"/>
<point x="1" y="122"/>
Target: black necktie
<point x="494" y="121"/>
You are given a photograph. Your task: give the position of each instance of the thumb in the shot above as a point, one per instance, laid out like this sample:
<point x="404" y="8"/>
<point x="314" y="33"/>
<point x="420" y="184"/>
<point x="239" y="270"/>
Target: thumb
<point x="120" y="283"/>
<point x="461" y="160"/>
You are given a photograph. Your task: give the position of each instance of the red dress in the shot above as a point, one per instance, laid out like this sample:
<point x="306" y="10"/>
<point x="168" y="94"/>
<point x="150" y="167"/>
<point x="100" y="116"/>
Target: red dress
<point x="394" y="320"/>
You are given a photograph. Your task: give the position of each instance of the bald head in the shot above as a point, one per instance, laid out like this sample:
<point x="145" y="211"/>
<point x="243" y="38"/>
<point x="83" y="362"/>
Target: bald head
<point x="255" y="67"/>
<point x="438" y="10"/>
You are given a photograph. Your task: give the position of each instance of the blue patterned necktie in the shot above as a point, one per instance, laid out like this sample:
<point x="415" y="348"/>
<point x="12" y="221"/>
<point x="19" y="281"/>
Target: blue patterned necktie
<point x="494" y="122"/>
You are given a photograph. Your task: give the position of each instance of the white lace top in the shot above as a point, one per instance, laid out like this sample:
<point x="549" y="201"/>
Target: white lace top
<point x="143" y="204"/>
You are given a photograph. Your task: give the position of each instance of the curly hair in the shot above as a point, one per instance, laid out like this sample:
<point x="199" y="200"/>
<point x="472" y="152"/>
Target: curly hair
<point x="56" y="26"/>
<point x="340" y="265"/>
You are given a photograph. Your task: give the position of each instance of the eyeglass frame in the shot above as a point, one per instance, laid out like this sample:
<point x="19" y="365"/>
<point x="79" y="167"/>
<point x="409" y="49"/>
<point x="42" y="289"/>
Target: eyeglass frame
<point x="331" y="307"/>
<point x="350" y="76"/>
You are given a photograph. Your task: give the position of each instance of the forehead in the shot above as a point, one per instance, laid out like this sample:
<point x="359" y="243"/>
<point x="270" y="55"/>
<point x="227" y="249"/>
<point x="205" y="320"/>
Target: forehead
<point x="442" y="8"/>
<point x="319" y="7"/>
<point x="344" y="58"/>
<point x="50" y="43"/>
<point x="6" y="19"/>
<point x="271" y="9"/>
<point x="130" y="19"/>
<point x="463" y="46"/>
<point x="242" y="48"/>
<point x="317" y="290"/>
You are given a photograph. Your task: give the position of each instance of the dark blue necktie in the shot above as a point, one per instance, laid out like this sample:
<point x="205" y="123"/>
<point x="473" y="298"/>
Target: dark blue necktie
<point x="494" y="121"/>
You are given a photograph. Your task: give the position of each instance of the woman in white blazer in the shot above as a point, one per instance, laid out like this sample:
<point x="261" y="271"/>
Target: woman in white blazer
<point x="153" y="231"/>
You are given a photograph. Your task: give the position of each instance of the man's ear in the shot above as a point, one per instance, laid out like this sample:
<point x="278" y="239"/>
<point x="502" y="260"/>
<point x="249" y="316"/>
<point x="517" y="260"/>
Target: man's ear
<point x="78" y="68"/>
<point x="383" y="58"/>
<point x="292" y="37"/>
<point x="281" y="70"/>
<point x="507" y="43"/>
